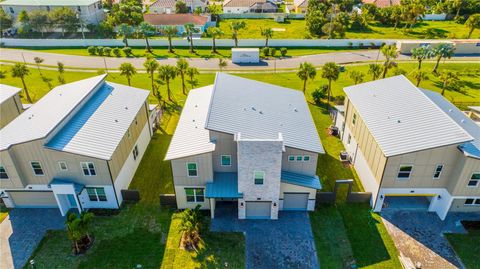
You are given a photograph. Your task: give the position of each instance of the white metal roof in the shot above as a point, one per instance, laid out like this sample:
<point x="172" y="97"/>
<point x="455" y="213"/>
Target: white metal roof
<point x="259" y="110"/>
<point x="7" y="91"/>
<point x="401" y="118"/>
<point x="245" y="49"/>
<point x="475" y="108"/>
<point x="191" y="137"/>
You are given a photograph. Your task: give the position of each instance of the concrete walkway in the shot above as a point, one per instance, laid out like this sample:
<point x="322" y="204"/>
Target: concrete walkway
<point x="95" y="62"/>
<point x="21" y="232"/>
<point x="284" y="243"/>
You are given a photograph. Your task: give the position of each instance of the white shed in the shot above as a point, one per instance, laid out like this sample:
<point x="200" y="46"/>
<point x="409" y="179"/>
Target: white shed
<point x="245" y="55"/>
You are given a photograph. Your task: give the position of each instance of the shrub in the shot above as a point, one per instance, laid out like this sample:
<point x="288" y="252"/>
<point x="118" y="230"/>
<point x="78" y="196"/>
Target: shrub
<point x="92" y="50"/>
<point x="319" y="93"/>
<point x="283" y="51"/>
<point x="116" y="52"/>
<point x="339" y="100"/>
<point x="266" y="51"/>
<point x="360" y="45"/>
<point x="127" y="51"/>
<point x="107" y="51"/>
<point x="100" y="51"/>
<point x="273" y="52"/>
<point x="350" y="44"/>
<point x="372" y="45"/>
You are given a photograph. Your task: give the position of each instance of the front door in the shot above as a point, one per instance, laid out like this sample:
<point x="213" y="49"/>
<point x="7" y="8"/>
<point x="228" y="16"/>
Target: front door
<point x="72" y="201"/>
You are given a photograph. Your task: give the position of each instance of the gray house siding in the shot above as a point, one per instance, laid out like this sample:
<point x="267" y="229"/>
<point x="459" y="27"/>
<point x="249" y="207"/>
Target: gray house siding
<point x="224" y="145"/>
<point x="301" y="167"/>
<point x="205" y="171"/>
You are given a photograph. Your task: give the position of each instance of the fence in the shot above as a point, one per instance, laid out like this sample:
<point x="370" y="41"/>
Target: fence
<point x="352" y="197"/>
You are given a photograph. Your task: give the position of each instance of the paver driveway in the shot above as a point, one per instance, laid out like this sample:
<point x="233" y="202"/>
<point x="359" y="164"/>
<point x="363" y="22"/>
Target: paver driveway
<point x="21" y="232"/>
<point x="284" y="243"/>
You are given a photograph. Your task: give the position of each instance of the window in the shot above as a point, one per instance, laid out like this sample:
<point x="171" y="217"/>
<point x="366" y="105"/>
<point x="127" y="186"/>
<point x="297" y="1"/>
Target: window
<point x="135" y="152"/>
<point x="88" y="169"/>
<point x="354" y="119"/>
<point x="438" y="171"/>
<point x="136" y="122"/>
<point x="11" y="10"/>
<point x="194" y="195"/>
<point x="192" y="169"/>
<point x="299" y="158"/>
<point x="3" y="173"/>
<point x="37" y="168"/>
<point x="474" y="180"/>
<point x="472" y="201"/>
<point x="63" y="166"/>
<point x="259" y="176"/>
<point x="226" y="160"/>
<point x="48" y="8"/>
<point x="129" y="134"/>
<point x="96" y="194"/>
<point x="349" y="139"/>
<point x="79" y="9"/>
<point x="306" y="158"/>
<point x="291" y="158"/>
<point x="404" y="171"/>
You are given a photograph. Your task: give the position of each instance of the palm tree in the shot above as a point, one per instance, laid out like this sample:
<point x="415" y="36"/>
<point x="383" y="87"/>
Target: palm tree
<point x="267" y="33"/>
<point x="74" y="230"/>
<point x="38" y="61"/>
<point x="191" y="73"/>
<point x="375" y="70"/>
<point x="147" y="30"/>
<point x="235" y="27"/>
<point x="419" y="75"/>
<point x="61" y="70"/>
<point x="356" y="76"/>
<point x="222" y="63"/>
<point x="448" y="78"/>
<point x="85" y="220"/>
<point x="422" y="53"/>
<point x="127" y="70"/>
<point x="330" y="71"/>
<point x="166" y="73"/>
<point x="444" y="50"/>
<point x="151" y="65"/>
<point x="125" y="31"/>
<point x="20" y="70"/>
<point x="191" y="226"/>
<point x="306" y="71"/>
<point x="170" y="31"/>
<point x="473" y="23"/>
<point x="389" y="52"/>
<point x="189" y="31"/>
<point x="214" y="32"/>
<point x="182" y="66"/>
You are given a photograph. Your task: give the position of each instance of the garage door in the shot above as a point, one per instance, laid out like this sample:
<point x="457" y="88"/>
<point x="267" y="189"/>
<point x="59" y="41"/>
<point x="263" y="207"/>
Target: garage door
<point x="295" y="201"/>
<point x="258" y="210"/>
<point x="40" y="199"/>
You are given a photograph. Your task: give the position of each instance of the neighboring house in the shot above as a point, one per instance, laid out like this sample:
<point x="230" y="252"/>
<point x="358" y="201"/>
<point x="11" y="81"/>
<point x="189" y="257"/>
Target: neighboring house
<point x="247" y="142"/>
<point x="411" y="147"/>
<point x="178" y="20"/>
<point x="90" y="11"/>
<point x="474" y="114"/>
<point x="78" y="147"/>
<point x="300" y="6"/>
<point x="10" y="104"/>
<point x="249" y="6"/>
<point x="168" y="6"/>
<point x="382" y="3"/>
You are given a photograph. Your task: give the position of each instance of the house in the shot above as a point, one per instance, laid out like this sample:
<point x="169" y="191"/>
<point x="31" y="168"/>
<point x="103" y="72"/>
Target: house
<point x="411" y="148"/>
<point x="382" y="3"/>
<point x="249" y="6"/>
<point x="248" y="143"/>
<point x="474" y="114"/>
<point x="76" y="148"/>
<point x="178" y="20"/>
<point x="90" y="11"/>
<point x="168" y="6"/>
<point x="300" y="6"/>
<point x="10" y="104"/>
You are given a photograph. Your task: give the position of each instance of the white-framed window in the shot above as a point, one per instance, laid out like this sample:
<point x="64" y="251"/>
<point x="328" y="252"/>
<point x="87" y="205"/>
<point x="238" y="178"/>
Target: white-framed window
<point x="438" y="171"/>
<point x="349" y="139"/>
<point x="258" y="177"/>
<point x="474" y="180"/>
<point x="129" y="134"/>
<point x="405" y="171"/>
<point x="135" y="152"/>
<point x="306" y="158"/>
<point x="299" y="158"/>
<point x="195" y="195"/>
<point x="96" y="194"/>
<point x="136" y="121"/>
<point x="472" y="201"/>
<point x="11" y="10"/>
<point x="88" y="168"/>
<point x="63" y="166"/>
<point x="3" y="172"/>
<point x="37" y="168"/>
<point x="226" y="160"/>
<point x="291" y="158"/>
<point x="354" y="119"/>
<point x="192" y="170"/>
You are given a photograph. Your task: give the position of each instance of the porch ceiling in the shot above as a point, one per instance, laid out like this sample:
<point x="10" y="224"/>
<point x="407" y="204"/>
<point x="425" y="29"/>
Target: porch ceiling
<point x="224" y="185"/>
<point x="76" y="186"/>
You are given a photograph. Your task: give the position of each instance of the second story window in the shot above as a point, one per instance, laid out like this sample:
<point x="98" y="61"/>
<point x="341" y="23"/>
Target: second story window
<point x="349" y="139"/>
<point x="354" y="119"/>
<point x="11" y="10"/>
<point x="192" y="169"/>
<point x="3" y="173"/>
<point x="299" y="158"/>
<point x="226" y="160"/>
<point x="259" y="177"/>
<point x="135" y="152"/>
<point x="88" y="169"/>
<point x="63" y="166"/>
<point x="306" y="158"/>
<point x="438" y="171"/>
<point x="474" y="180"/>
<point x="404" y="171"/>
<point x="291" y="158"/>
<point x="37" y="168"/>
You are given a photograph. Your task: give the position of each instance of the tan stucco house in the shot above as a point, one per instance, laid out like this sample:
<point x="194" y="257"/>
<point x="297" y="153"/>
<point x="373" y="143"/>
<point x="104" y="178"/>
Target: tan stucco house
<point x="411" y="147"/>
<point x="247" y="142"/>
<point x="78" y="147"/>
<point x="10" y="104"/>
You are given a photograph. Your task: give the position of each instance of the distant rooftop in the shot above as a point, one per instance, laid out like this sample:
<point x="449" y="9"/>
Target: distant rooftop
<point x="175" y="19"/>
<point x="7" y="91"/>
<point x="48" y="2"/>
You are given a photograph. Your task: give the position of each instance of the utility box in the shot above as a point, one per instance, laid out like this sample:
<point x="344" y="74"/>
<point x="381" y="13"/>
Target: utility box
<point x="245" y="55"/>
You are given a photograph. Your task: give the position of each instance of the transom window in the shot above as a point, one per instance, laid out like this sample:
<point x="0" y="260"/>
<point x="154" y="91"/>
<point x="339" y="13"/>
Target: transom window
<point x="306" y="158"/>
<point x="88" y="169"/>
<point x="135" y="152"/>
<point x="354" y="119"/>
<point x="259" y="177"/>
<point x="226" y="160"/>
<point x="194" y="195"/>
<point x="37" y="168"/>
<point x="438" y="171"/>
<point x="472" y="201"/>
<point x="291" y="158"/>
<point x="192" y="170"/>
<point x="3" y="173"/>
<point x="474" y="180"/>
<point x="96" y="194"/>
<point x="299" y="158"/>
<point x="63" y="166"/>
<point x="405" y="171"/>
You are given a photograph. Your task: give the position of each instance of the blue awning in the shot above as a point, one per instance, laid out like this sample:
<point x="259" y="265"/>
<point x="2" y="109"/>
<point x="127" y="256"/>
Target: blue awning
<point x="76" y="186"/>
<point x="224" y="185"/>
<point x="301" y="180"/>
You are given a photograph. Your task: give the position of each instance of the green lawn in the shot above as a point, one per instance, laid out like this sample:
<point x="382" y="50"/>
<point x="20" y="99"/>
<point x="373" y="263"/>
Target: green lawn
<point x="3" y="213"/>
<point x="467" y="247"/>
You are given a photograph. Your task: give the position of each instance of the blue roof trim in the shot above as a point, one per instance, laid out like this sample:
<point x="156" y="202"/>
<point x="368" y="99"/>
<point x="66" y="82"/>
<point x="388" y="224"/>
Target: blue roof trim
<point x="301" y="180"/>
<point x="224" y="185"/>
<point x="76" y="186"/>
<point x="470" y="150"/>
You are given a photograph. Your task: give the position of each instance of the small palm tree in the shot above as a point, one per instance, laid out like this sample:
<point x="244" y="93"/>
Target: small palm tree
<point x="151" y="65"/>
<point x="215" y="33"/>
<point x="356" y="76"/>
<point x="20" y="70"/>
<point x="390" y="53"/>
<point x="473" y="23"/>
<point x="182" y="66"/>
<point x="222" y="63"/>
<point x="38" y="61"/>
<point x="167" y="73"/>
<point x="147" y="30"/>
<point x="170" y="31"/>
<point x="448" y="77"/>
<point x="330" y="71"/>
<point x="189" y="31"/>
<point x="375" y="70"/>
<point x="74" y="231"/>
<point x="419" y="75"/>
<point x="422" y="53"/>
<point x="267" y="33"/>
<point x="61" y="70"/>
<point x="85" y="221"/>
<point x="236" y="26"/>
<point x="444" y="50"/>
<point x="191" y="226"/>
<point x="305" y="72"/>
<point x="127" y="70"/>
<point x="191" y="73"/>
<point x="125" y="31"/>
